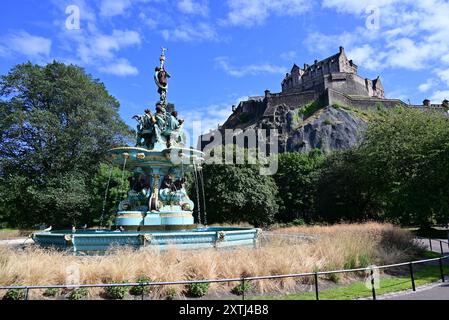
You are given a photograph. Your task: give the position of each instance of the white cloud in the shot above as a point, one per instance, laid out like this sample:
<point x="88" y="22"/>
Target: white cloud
<point x="443" y="75"/>
<point x="255" y="12"/>
<point x="365" y="56"/>
<point x="102" y="45"/>
<point x="120" y="67"/>
<point x="408" y="54"/>
<point x="194" y="7"/>
<point x="202" y="120"/>
<point x="324" y="44"/>
<point x="151" y="23"/>
<point x="111" y="8"/>
<point x="94" y="48"/>
<point x="24" y="44"/>
<point x="356" y="6"/>
<point x="190" y="33"/>
<point x="426" y="86"/>
<point x="253" y="69"/>
<point x="439" y="95"/>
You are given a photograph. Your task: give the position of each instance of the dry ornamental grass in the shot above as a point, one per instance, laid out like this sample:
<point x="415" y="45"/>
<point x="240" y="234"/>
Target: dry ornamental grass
<point x="335" y="247"/>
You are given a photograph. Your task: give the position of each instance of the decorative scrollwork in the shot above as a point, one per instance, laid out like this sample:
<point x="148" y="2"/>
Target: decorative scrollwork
<point x="68" y="239"/>
<point x="221" y="236"/>
<point x="145" y="239"/>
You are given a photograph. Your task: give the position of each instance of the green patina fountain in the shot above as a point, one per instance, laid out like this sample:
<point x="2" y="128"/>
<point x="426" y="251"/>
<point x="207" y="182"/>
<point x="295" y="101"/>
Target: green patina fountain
<point x="157" y="212"/>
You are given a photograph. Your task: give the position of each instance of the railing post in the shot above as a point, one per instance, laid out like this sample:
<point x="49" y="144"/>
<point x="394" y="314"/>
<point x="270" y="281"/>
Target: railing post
<point x="143" y="290"/>
<point x="412" y="276"/>
<point x="243" y="288"/>
<point x="316" y="286"/>
<point x="430" y="244"/>
<point x="441" y="248"/>
<point x="373" y="289"/>
<point x="440" y="262"/>
<point x="26" y="293"/>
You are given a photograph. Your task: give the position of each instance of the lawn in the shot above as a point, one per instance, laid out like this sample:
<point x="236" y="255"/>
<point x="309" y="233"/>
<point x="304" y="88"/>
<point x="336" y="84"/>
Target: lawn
<point x="427" y="274"/>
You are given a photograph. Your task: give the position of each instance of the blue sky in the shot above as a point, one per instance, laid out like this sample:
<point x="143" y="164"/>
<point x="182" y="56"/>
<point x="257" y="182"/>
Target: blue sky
<point x="222" y="51"/>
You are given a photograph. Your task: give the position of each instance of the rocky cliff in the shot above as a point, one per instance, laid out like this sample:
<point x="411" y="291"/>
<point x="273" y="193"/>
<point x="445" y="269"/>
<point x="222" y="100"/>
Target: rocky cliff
<point x="328" y="129"/>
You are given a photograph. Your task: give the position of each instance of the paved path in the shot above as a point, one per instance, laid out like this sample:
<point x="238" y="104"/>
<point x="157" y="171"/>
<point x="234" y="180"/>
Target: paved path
<point x="435" y="244"/>
<point x="16" y="242"/>
<point x="435" y="291"/>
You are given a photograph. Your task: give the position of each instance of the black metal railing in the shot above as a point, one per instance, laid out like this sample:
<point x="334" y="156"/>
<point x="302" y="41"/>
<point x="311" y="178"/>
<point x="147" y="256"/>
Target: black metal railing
<point x="245" y="280"/>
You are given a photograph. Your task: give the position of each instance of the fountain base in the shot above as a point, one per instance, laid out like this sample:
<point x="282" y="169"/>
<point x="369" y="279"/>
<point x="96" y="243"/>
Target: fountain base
<point x="98" y="241"/>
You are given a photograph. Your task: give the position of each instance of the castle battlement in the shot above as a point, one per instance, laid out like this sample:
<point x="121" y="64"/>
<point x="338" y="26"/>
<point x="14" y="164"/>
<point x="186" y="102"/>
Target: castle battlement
<point x="335" y="72"/>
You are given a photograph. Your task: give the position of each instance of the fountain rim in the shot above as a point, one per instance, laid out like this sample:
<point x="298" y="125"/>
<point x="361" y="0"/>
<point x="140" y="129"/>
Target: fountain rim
<point x="157" y="151"/>
<point x="103" y="232"/>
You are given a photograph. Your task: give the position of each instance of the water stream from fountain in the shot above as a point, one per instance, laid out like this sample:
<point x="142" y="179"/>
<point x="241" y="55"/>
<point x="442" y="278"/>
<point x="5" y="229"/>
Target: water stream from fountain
<point x="197" y="192"/>
<point x="121" y="182"/>
<point x="204" y="198"/>
<point x="106" y="195"/>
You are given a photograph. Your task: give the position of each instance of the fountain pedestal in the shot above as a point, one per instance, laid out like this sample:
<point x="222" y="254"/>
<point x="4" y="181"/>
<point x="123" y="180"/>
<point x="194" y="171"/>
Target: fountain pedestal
<point x="160" y="202"/>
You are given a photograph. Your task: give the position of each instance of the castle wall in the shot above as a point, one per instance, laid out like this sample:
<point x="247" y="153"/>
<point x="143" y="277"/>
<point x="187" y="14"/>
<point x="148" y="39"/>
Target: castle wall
<point x="366" y="103"/>
<point x="255" y="107"/>
<point x="291" y="100"/>
<point x="346" y="83"/>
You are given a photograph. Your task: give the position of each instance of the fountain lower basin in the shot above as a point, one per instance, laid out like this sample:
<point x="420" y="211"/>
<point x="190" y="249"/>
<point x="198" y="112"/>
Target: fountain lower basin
<point x="92" y="241"/>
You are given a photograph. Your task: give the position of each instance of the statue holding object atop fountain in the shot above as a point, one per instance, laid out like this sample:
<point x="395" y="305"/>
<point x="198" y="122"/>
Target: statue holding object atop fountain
<point x="162" y="129"/>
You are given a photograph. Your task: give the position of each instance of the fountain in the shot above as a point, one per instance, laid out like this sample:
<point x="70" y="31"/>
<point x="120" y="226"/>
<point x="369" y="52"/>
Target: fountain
<point x="157" y="212"/>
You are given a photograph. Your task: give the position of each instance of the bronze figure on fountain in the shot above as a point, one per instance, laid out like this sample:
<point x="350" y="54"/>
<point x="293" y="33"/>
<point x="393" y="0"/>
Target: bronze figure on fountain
<point x="162" y="129"/>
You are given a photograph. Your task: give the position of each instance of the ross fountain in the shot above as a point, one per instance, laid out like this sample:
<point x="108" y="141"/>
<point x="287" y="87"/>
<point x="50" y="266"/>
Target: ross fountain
<point x="157" y="212"/>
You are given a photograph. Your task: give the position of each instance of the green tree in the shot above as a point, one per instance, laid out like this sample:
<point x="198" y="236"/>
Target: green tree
<point x="56" y="124"/>
<point x="408" y="153"/>
<point x="296" y="180"/>
<point x="238" y="193"/>
<point x="345" y="189"/>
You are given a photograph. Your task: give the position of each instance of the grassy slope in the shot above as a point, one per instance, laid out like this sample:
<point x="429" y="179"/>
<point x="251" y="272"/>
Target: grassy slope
<point x="357" y="290"/>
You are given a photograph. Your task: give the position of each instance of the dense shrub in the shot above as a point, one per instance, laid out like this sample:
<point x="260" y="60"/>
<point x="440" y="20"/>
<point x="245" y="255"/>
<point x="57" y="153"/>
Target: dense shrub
<point x="197" y="290"/>
<point x="77" y="294"/>
<point x="139" y="290"/>
<point x="116" y="293"/>
<point x="14" y="294"/>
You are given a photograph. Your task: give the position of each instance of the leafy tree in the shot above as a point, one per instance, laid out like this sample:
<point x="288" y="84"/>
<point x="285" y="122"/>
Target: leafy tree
<point x="345" y="190"/>
<point x="296" y="180"/>
<point x="56" y="124"/>
<point x="238" y="193"/>
<point x="408" y="153"/>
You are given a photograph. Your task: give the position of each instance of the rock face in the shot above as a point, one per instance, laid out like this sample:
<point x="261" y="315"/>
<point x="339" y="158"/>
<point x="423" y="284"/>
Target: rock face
<point x="328" y="129"/>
